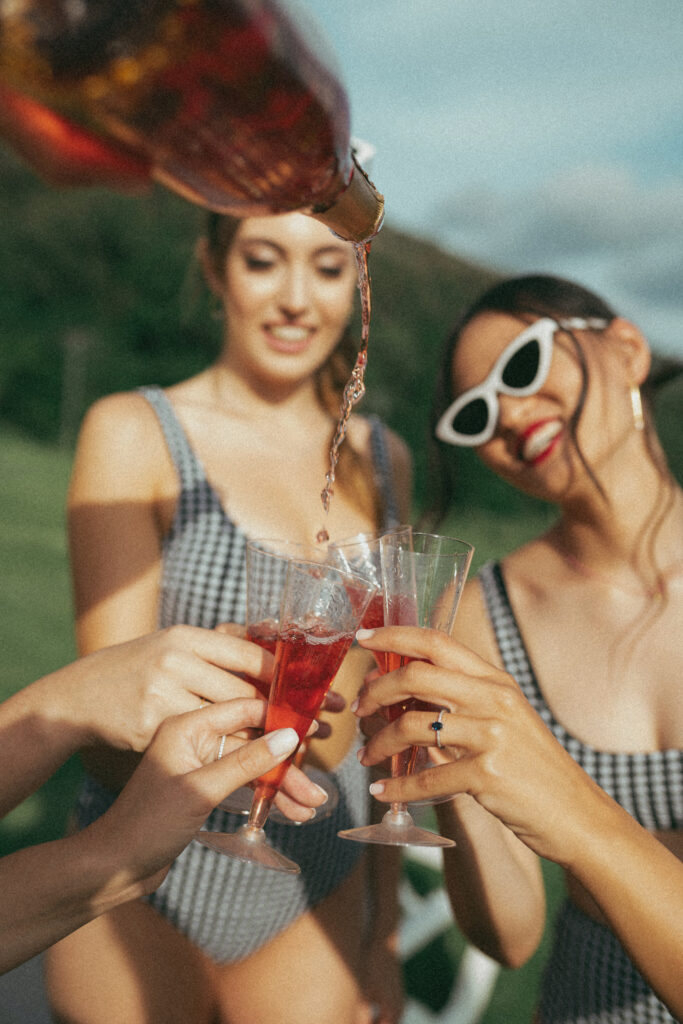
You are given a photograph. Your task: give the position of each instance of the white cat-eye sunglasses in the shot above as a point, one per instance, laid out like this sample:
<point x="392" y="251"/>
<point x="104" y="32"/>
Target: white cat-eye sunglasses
<point x="521" y="369"/>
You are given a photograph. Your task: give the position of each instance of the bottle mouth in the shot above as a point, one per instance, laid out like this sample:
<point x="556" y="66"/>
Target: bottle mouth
<point x="357" y="213"/>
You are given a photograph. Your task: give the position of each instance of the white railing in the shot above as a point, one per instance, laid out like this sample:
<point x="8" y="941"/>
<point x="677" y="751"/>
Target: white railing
<point x="425" y="918"/>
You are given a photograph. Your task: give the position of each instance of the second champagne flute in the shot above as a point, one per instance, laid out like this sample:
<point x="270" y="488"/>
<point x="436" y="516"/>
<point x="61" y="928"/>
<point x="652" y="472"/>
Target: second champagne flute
<point x="361" y="554"/>
<point x="423" y="576"/>
<point x="322" y="607"/>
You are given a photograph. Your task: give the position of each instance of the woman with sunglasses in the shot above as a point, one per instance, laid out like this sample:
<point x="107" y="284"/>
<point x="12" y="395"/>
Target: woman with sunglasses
<point x="544" y="379"/>
<point x="168" y="486"/>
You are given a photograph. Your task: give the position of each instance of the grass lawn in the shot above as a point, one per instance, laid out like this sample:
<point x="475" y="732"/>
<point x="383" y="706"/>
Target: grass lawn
<point x="35" y="608"/>
<point x="36" y="636"/>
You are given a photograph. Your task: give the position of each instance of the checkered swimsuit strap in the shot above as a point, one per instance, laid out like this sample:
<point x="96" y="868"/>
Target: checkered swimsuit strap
<point x="648" y="785"/>
<point x="185" y="460"/>
<point x="383" y="473"/>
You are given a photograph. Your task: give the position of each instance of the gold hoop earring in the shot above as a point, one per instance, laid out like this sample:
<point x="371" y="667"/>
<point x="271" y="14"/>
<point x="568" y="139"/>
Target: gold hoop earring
<point x="637" y="407"/>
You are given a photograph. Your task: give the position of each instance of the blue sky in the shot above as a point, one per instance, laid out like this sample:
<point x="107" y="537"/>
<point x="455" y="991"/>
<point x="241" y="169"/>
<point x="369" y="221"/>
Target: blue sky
<point x="535" y="135"/>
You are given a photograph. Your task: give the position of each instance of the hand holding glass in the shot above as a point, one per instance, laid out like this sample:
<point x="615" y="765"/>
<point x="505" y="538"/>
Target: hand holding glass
<point x="423" y="576"/>
<point x="321" y="610"/>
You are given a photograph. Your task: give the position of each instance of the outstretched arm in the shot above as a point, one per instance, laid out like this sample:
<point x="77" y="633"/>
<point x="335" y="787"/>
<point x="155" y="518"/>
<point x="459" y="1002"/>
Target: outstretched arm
<point x="119" y="696"/>
<point x="499" y="752"/>
<point x="50" y="890"/>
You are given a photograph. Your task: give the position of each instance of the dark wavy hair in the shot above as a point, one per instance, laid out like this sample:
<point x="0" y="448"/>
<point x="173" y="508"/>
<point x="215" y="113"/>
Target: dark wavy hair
<point x="531" y="296"/>
<point x="353" y="470"/>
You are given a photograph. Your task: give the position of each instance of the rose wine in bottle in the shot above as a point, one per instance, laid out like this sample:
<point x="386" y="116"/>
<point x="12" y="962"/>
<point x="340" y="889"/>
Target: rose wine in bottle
<point x="227" y="102"/>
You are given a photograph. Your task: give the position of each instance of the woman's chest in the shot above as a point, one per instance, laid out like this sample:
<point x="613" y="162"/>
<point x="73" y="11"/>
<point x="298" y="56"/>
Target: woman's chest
<point x="612" y="678"/>
<point x="272" y="487"/>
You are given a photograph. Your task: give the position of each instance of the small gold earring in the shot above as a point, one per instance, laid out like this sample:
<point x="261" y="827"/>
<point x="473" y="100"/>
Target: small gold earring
<point x="637" y="407"/>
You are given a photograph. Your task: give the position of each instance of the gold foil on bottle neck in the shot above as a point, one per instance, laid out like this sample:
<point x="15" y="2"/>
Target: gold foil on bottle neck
<point x="357" y="213"/>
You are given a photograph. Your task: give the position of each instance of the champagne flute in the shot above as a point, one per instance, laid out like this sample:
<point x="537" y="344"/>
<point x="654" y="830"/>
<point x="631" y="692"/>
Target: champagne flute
<point x="266" y="570"/>
<point x="361" y="554"/>
<point x="423" y="577"/>
<point x="321" y="609"/>
<point x="266" y="566"/>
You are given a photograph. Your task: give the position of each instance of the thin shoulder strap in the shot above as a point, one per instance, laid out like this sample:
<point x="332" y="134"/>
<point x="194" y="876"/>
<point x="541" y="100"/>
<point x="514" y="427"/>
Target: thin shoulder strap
<point x="508" y="635"/>
<point x="188" y="466"/>
<point x="383" y="474"/>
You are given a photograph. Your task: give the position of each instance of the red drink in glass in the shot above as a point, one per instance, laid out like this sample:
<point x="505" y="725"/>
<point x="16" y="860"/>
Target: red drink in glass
<point x="373" y="619"/>
<point x="374" y="614"/>
<point x="265" y="635"/>
<point x="306" y="662"/>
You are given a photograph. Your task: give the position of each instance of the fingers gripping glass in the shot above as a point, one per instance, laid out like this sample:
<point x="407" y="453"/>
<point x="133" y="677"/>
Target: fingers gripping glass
<point x="423" y="576"/>
<point x="322" y="608"/>
<point x="520" y="370"/>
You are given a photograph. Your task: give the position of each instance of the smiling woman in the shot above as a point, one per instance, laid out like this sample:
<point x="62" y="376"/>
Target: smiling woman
<point x="544" y="379"/>
<point x="167" y="488"/>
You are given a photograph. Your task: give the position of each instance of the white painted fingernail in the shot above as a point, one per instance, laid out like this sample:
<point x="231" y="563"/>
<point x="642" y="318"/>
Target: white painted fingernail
<point x="282" y="741"/>
<point x="364" y="634"/>
<point x="376" y="788"/>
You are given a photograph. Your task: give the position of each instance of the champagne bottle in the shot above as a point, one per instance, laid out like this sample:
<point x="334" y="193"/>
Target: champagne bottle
<point x="230" y="103"/>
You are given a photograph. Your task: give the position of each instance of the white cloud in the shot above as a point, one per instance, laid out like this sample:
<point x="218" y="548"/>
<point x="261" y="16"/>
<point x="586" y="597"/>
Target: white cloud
<point x="596" y="223"/>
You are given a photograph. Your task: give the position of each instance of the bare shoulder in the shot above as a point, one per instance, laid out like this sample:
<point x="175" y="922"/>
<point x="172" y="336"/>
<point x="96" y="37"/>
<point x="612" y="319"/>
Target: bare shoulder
<point x="399" y="453"/>
<point x="119" y="418"/>
<point x="473" y="626"/>
<point x="120" y="447"/>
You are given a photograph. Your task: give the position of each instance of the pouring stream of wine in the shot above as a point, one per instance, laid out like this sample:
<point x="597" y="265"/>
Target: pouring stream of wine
<point x="355" y="386"/>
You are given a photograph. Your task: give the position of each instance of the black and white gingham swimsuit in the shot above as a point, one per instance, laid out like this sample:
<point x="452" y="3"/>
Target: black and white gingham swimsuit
<point x="589" y="979"/>
<point x="227" y="907"/>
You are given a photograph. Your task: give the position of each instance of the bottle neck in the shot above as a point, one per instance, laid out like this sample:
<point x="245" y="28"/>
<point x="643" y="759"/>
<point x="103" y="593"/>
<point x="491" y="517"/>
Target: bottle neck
<point x="357" y="213"/>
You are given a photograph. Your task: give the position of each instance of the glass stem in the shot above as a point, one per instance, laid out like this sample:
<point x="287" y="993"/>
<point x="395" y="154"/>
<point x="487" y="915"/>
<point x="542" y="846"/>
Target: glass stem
<point x="260" y="807"/>
<point x="397" y="766"/>
<point x="412" y="758"/>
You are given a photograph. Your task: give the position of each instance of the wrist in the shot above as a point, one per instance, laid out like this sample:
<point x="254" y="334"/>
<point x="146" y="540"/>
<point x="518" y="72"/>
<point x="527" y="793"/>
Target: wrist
<point x="586" y="843"/>
<point x="65" y="701"/>
<point x="462" y="819"/>
<point x="110" y="878"/>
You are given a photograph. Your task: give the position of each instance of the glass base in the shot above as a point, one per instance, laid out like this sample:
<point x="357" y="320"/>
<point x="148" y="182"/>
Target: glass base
<point x="397" y="828"/>
<point x="250" y="844"/>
